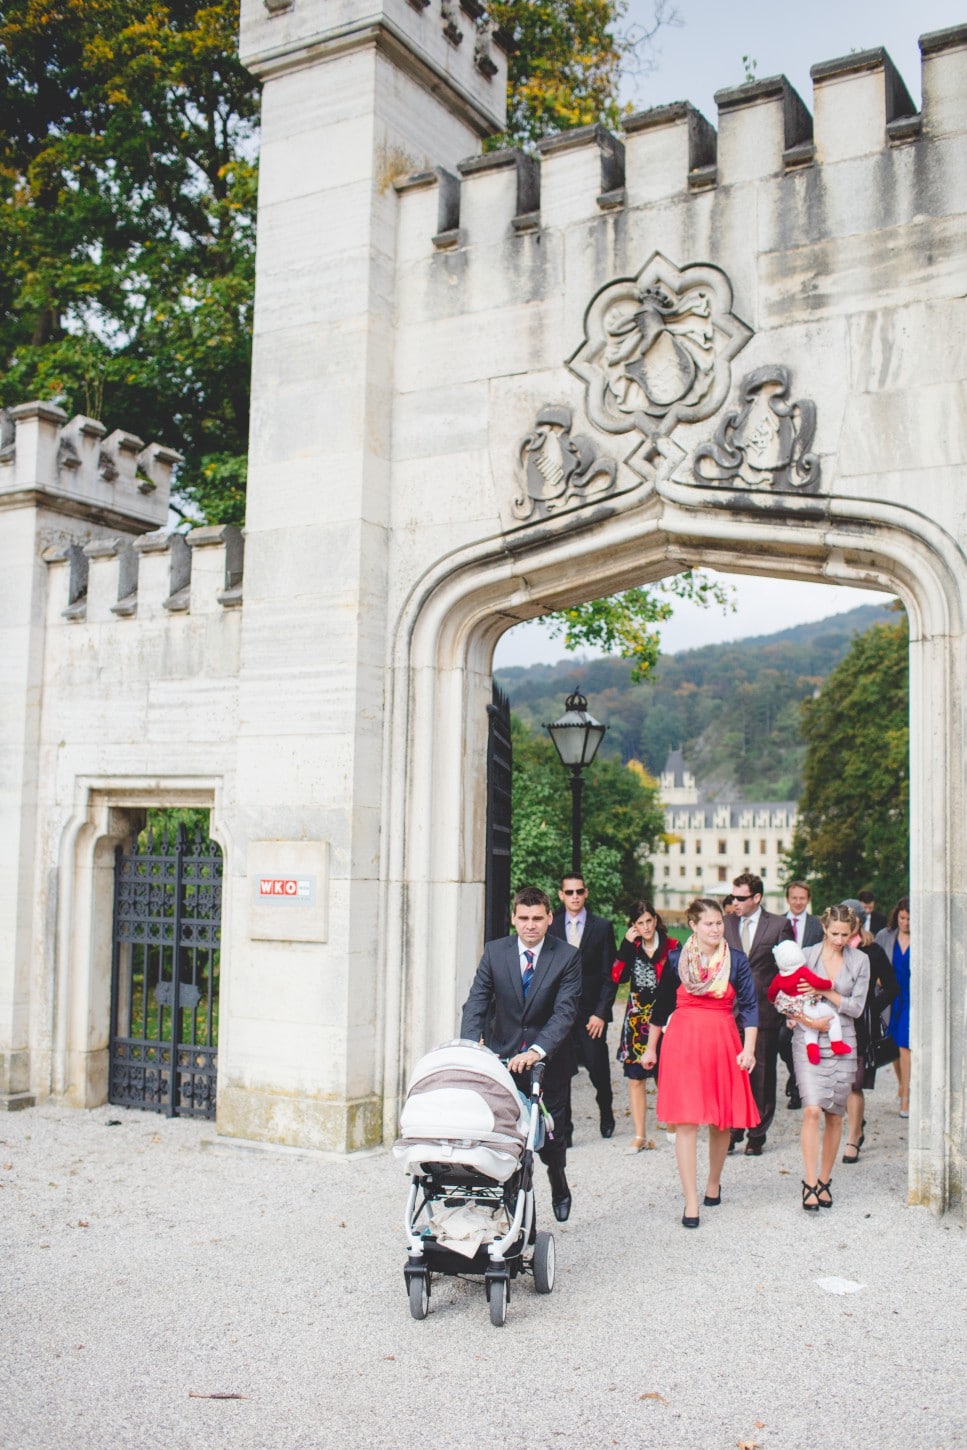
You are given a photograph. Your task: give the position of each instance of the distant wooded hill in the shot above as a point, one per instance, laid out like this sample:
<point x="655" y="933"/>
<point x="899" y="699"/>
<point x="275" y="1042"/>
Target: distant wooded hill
<point x="733" y="708"/>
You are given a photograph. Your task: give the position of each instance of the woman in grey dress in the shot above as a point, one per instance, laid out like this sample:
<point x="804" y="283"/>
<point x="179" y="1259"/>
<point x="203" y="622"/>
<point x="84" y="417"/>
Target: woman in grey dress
<point x="825" y="1088"/>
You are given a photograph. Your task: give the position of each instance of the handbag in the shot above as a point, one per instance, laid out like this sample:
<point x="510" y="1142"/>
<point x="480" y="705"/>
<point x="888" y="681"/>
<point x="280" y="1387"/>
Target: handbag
<point x="885" y="1049"/>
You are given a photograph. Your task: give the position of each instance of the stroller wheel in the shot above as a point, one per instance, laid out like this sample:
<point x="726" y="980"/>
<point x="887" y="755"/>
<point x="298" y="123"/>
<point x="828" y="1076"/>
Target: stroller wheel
<point x="498" y="1303"/>
<point x="543" y="1264"/>
<point x="419" y="1295"/>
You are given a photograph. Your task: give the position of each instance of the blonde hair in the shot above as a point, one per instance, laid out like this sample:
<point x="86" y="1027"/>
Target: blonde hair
<point x="841" y="913"/>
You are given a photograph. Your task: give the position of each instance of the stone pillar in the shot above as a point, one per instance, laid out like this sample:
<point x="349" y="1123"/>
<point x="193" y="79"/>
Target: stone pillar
<point x="355" y="97"/>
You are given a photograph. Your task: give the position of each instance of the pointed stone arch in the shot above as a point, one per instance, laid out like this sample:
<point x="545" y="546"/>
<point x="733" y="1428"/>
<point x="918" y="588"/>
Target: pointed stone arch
<point x="445" y="640"/>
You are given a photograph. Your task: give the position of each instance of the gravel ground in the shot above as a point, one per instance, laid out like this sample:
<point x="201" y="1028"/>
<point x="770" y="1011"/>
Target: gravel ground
<point x="150" y="1269"/>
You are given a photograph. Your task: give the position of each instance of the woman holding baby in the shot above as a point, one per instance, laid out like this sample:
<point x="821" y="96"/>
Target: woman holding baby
<point x="824" y="1085"/>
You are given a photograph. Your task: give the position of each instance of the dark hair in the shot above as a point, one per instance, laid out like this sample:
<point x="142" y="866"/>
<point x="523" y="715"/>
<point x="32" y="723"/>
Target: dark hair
<point x="728" y="900"/>
<point x="754" y="883"/>
<point x="697" y="908"/>
<point x="902" y="905"/>
<point x="865" y="896"/>
<point x="531" y="896"/>
<point x="573" y="876"/>
<point x="643" y="907"/>
<point x="842" y="912"/>
<point x="791" y="886"/>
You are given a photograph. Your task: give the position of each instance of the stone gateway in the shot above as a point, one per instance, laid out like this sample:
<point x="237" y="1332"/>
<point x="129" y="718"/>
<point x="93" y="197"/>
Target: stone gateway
<point x="484" y="387"/>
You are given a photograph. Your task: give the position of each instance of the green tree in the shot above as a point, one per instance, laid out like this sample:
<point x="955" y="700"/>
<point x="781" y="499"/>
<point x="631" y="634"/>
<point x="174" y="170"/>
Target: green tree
<point x="567" y="62"/>
<point x="622" y="624"/>
<point x="127" y="206"/>
<point x="853" y="829"/>
<point x="621" y="821"/>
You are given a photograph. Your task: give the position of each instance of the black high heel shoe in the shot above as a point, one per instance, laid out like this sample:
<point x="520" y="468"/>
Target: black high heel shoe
<point x="713" y="1202"/>
<point x="689" y="1222"/>
<point x="810" y="1190"/>
<point x="824" y="1193"/>
<point x="856" y="1155"/>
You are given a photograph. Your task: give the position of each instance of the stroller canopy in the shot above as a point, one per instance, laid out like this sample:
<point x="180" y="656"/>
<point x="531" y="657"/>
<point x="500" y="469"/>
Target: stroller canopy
<point x="463" y="1092"/>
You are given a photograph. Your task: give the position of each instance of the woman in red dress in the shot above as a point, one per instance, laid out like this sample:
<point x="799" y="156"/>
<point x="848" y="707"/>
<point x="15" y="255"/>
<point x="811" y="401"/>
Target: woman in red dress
<point x="704" y="1071"/>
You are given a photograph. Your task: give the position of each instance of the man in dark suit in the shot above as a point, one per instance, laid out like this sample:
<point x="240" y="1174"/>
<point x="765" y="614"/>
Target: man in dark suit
<point x="594" y="937"/>
<point x="755" y="931"/>
<point x="807" y="930"/>
<point x="874" y="921"/>
<point x="523" y="1003"/>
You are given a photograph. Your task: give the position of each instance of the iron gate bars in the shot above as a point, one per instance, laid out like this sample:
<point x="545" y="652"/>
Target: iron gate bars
<point x="164" y="979"/>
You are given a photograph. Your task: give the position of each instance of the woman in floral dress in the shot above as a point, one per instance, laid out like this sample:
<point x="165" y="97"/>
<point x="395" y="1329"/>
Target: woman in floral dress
<point x="641" y="961"/>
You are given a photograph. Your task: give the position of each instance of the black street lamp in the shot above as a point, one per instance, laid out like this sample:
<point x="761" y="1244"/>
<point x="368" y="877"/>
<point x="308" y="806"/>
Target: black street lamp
<point x="576" y="737"/>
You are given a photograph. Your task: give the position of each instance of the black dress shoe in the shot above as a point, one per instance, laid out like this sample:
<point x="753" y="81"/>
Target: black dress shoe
<point x="607" y="1125"/>
<point x="753" y="1150"/>
<point x="795" y="1101"/>
<point x="560" y="1194"/>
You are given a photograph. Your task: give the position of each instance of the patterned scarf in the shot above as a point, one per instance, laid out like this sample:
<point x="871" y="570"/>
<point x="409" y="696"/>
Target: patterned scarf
<point x="704" y="977"/>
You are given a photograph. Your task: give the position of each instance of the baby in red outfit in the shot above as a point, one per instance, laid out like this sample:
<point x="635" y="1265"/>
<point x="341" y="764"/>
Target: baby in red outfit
<point x="787" y="995"/>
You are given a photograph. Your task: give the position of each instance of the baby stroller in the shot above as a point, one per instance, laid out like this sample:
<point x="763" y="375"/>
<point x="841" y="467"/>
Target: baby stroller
<point x="467" y="1142"/>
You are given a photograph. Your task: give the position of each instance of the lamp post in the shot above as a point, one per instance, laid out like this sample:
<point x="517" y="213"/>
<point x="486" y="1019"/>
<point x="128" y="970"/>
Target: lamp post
<point x="576" y="737"/>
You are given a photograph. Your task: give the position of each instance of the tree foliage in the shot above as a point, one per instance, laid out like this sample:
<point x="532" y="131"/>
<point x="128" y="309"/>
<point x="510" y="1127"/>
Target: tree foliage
<point x="127" y="204"/>
<point x="620" y="624"/>
<point x="127" y="224"/>
<point x="621" y="821"/>
<point x="853" y="829"/>
<point x="567" y="62"/>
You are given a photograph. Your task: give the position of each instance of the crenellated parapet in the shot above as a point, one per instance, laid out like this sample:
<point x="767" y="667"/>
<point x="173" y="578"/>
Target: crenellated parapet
<point x="155" y="575"/>
<point x="74" y="466"/>
<point x="862" y="110"/>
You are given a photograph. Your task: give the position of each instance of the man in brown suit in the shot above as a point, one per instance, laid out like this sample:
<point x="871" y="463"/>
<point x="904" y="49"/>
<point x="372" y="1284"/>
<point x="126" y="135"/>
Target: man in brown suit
<point x="755" y="931"/>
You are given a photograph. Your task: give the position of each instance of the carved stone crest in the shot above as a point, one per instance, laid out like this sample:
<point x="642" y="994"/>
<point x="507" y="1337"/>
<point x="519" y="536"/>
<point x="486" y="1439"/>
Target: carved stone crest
<point x="766" y="441"/>
<point x="657" y="348"/>
<point x="557" y="469"/>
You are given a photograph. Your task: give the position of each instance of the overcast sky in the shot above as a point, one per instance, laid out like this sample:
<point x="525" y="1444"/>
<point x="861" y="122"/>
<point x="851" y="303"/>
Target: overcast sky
<point x="694" y="60"/>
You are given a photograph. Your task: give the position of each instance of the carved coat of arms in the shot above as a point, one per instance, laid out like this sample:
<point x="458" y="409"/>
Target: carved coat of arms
<point x="766" y="441"/>
<point x="556" y="467"/>
<point x="657" y="348"/>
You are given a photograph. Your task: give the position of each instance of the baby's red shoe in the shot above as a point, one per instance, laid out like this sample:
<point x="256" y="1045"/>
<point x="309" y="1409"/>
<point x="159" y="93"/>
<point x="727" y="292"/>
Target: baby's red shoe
<point x="812" y="1053"/>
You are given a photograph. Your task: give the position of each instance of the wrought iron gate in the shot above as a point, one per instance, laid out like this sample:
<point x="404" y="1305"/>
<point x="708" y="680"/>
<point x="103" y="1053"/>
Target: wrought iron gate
<point x="164" y="979"/>
<point x="499" y="761"/>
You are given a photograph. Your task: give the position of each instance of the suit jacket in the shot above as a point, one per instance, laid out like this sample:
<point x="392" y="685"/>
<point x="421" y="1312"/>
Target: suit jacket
<point x="598" y="953"/>
<point x="496" y="1011"/>
<point x="770" y="930"/>
<point x="877" y="922"/>
<point x="813" y="932"/>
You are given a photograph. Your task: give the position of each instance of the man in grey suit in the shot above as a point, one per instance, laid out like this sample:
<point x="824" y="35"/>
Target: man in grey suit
<point x="755" y="931"/>
<point x="808" y="931"/>
<point x="523" y="1002"/>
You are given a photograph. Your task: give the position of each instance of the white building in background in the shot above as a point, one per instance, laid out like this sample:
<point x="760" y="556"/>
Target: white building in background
<point x="707" y="846"/>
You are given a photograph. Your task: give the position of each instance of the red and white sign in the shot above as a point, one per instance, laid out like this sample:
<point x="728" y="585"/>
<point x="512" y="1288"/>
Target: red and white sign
<point x="285" y="886"/>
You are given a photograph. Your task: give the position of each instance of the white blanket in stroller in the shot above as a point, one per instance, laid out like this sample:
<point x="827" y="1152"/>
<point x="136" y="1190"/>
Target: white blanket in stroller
<point x="462" y="1107"/>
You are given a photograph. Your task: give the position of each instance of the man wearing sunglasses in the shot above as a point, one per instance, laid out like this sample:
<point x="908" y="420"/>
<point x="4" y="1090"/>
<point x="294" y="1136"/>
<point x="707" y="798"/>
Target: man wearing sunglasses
<point x="755" y="931"/>
<point x="594" y="938"/>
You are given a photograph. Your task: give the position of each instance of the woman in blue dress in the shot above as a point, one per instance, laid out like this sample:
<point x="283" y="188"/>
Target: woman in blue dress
<point x="895" y="941"/>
